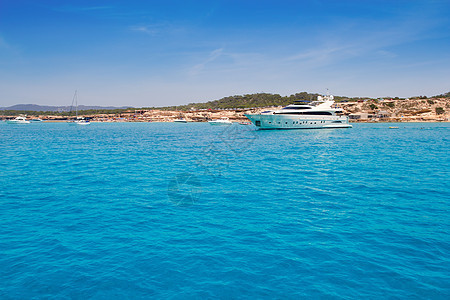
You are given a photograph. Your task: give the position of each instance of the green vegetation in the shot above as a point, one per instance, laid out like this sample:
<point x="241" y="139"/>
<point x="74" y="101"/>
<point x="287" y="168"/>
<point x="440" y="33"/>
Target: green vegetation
<point x="446" y="95"/>
<point x="249" y="101"/>
<point x="439" y="110"/>
<point x="373" y="106"/>
<point x="231" y="102"/>
<point x="419" y="97"/>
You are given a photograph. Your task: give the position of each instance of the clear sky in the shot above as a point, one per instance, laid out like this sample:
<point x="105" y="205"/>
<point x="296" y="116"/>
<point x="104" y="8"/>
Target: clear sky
<point x="157" y="53"/>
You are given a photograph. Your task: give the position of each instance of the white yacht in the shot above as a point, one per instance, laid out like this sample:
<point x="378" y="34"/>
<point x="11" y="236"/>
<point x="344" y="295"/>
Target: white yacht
<point x="303" y="115"/>
<point x="18" y="120"/>
<point x="221" y="121"/>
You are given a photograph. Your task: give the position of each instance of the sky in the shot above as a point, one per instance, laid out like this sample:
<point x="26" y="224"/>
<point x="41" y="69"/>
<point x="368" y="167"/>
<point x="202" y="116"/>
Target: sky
<point x="175" y="52"/>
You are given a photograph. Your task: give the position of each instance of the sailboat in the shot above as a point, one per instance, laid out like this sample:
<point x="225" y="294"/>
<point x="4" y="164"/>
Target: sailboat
<point x="78" y="120"/>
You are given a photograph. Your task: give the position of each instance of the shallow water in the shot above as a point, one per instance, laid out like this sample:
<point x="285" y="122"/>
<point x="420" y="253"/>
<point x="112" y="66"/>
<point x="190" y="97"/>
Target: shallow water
<point x="139" y="210"/>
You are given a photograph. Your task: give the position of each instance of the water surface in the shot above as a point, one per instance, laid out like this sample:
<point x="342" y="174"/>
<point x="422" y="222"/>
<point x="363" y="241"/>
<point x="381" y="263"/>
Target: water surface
<point x="139" y="210"/>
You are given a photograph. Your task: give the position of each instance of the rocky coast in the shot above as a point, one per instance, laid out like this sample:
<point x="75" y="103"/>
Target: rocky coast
<point x="362" y="110"/>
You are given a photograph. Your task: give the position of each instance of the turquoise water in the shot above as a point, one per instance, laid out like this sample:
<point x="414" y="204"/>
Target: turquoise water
<point x="148" y="210"/>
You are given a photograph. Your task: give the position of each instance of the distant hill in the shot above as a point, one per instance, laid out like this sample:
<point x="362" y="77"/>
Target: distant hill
<point x="248" y="101"/>
<point x="446" y="95"/>
<point x="265" y="100"/>
<point x="230" y="102"/>
<point x="34" y="107"/>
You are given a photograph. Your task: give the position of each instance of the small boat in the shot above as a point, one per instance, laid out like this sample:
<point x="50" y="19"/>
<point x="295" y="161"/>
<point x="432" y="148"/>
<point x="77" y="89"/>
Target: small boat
<point x="36" y="120"/>
<point x="18" y="120"/>
<point x="82" y="121"/>
<point x="79" y="121"/>
<point x="221" y="121"/>
<point x="393" y="127"/>
<point x="179" y="121"/>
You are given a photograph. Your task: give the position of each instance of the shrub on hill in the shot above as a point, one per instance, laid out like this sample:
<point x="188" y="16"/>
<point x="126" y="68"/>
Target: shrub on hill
<point x="439" y="110"/>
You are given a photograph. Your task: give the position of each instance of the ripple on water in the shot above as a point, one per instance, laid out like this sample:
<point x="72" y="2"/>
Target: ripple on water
<point x="86" y="212"/>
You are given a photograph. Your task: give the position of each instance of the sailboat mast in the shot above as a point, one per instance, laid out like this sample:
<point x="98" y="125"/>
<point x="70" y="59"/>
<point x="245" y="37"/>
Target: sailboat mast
<point x="74" y="101"/>
<point x="76" y="104"/>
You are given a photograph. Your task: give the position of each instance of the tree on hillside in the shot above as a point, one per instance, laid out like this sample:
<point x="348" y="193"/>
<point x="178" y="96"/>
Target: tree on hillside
<point x="446" y="95"/>
<point x="439" y="110"/>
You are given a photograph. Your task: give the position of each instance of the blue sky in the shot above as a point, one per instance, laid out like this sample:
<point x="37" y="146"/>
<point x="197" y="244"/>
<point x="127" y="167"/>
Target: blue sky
<point x="157" y="53"/>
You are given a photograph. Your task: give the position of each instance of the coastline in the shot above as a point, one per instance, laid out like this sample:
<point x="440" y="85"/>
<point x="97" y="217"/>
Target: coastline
<point x="362" y="111"/>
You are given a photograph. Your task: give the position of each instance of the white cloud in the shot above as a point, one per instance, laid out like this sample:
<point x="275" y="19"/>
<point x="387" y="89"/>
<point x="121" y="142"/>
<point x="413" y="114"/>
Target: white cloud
<point x="368" y="39"/>
<point x="319" y="55"/>
<point x="213" y="55"/>
<point x="150" y="30"/>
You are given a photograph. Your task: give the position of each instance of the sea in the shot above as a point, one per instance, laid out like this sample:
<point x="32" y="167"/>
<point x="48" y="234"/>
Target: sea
<point x="194" y="211"/>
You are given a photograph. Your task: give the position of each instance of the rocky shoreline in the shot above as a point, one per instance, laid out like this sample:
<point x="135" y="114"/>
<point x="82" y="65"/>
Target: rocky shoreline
<point x="370" y="110"/>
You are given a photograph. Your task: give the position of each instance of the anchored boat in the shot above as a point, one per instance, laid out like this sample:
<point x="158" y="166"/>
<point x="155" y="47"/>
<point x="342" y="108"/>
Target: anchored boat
<point x="78" y="120"/>
<point x="18" y="120"/>
<point x="221" y="121"/>
<point x="303" y="115"/>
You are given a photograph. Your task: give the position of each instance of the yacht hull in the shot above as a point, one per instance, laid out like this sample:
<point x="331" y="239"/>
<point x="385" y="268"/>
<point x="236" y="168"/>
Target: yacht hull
<point x="278" y="121"/>
<point x="219" y="123"/>
<point x="17" y="122"/>
<point x="72" y="123"/>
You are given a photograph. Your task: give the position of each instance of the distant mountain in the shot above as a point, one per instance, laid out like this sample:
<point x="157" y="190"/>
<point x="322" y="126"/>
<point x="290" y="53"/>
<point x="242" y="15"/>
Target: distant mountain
<point x="34" y="107"/>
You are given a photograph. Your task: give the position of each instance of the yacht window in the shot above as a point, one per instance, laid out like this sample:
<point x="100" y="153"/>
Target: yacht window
<point x="296" y="107"/>
<point x="313" y="113"/>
